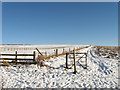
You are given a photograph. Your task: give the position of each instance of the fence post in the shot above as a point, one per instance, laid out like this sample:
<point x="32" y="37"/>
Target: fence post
<point x="34" y="55"/>
<point x="86" y="60"/>
<point x="45" y="54"/>
<point x="63" y="50"/>
<point x="16" y="56"/>
<point x="74" y="48"/>
<point x="75" y="71"/>
<point x="67" y="60"/>
<point x="69" y="49"/>
<point x="0" y="52"/>
<point x="56" y="52"/>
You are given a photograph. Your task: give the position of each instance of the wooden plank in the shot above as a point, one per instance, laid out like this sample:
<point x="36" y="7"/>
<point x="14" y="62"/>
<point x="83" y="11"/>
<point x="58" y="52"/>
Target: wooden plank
<point x="17" y="54"/>
<point x="14" y="59"/>
<point x="22" y="62"/>
<point x="75" y="71"/>
<point x="77" y="53"/>
<point x="77" y="57"/>
<point x="56" y="55"/>
<point x="40" y="53"/>
<point x="66" y="60"/>
<point x="86" y="61"/>
<point x="57" y="52"/>
<point x="81" y="57"/>
<point x="63" y="50"/>
<point x="45" y="54"/>
<point x="34" y="56"/>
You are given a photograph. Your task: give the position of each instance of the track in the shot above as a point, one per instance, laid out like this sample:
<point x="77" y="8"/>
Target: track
<point x="104" y="65"/>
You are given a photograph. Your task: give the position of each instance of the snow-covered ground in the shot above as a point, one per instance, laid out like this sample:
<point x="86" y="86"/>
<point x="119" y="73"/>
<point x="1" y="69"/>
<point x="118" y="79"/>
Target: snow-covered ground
<point x="101" y="72"/>
<point x="46" y="50"/>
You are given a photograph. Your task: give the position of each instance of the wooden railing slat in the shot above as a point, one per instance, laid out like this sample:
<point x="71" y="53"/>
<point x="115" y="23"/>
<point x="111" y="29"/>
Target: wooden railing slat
<point x="15" y="59"/>
<point x="21" y="62"/>
<point x="77" y="53"/>
<point x="17" y="54"/>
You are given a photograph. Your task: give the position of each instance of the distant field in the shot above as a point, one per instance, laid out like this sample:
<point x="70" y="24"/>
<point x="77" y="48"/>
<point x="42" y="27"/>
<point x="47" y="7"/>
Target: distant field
<point x="32" y="47"/>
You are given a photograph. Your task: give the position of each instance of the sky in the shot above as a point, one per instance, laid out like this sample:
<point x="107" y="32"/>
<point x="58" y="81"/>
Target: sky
<point x="0" y="22"/>
<point x="42" y="23"/>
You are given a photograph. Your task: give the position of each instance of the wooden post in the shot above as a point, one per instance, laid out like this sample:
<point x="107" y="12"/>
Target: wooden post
<point x="56" y="52"/>
<point x="74" y="48"/>
<point x="67" y="60"/>
<point x="16" y="57"/>
<point x="34" y="56"/>
<point x="63" y="50"/>
<point x="75" y="71"/>
<point x="45" y="54"/>
<point x="86" y="61"/>
<point x="69" y="49"/>
<point x="0" y="53"/>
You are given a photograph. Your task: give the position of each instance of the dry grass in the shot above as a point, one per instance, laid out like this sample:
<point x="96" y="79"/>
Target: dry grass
<point x="114" y="48"/>
<point x="5" y="63"/>
<point x="27" y="63"/>
<point x="111" y="51"/>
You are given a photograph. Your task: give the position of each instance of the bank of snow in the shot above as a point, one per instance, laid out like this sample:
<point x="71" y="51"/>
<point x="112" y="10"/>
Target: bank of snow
<point x="100" y="73"/>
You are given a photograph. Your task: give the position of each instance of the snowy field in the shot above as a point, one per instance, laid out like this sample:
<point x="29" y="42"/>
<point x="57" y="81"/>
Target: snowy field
<point x="101" y="72"/>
